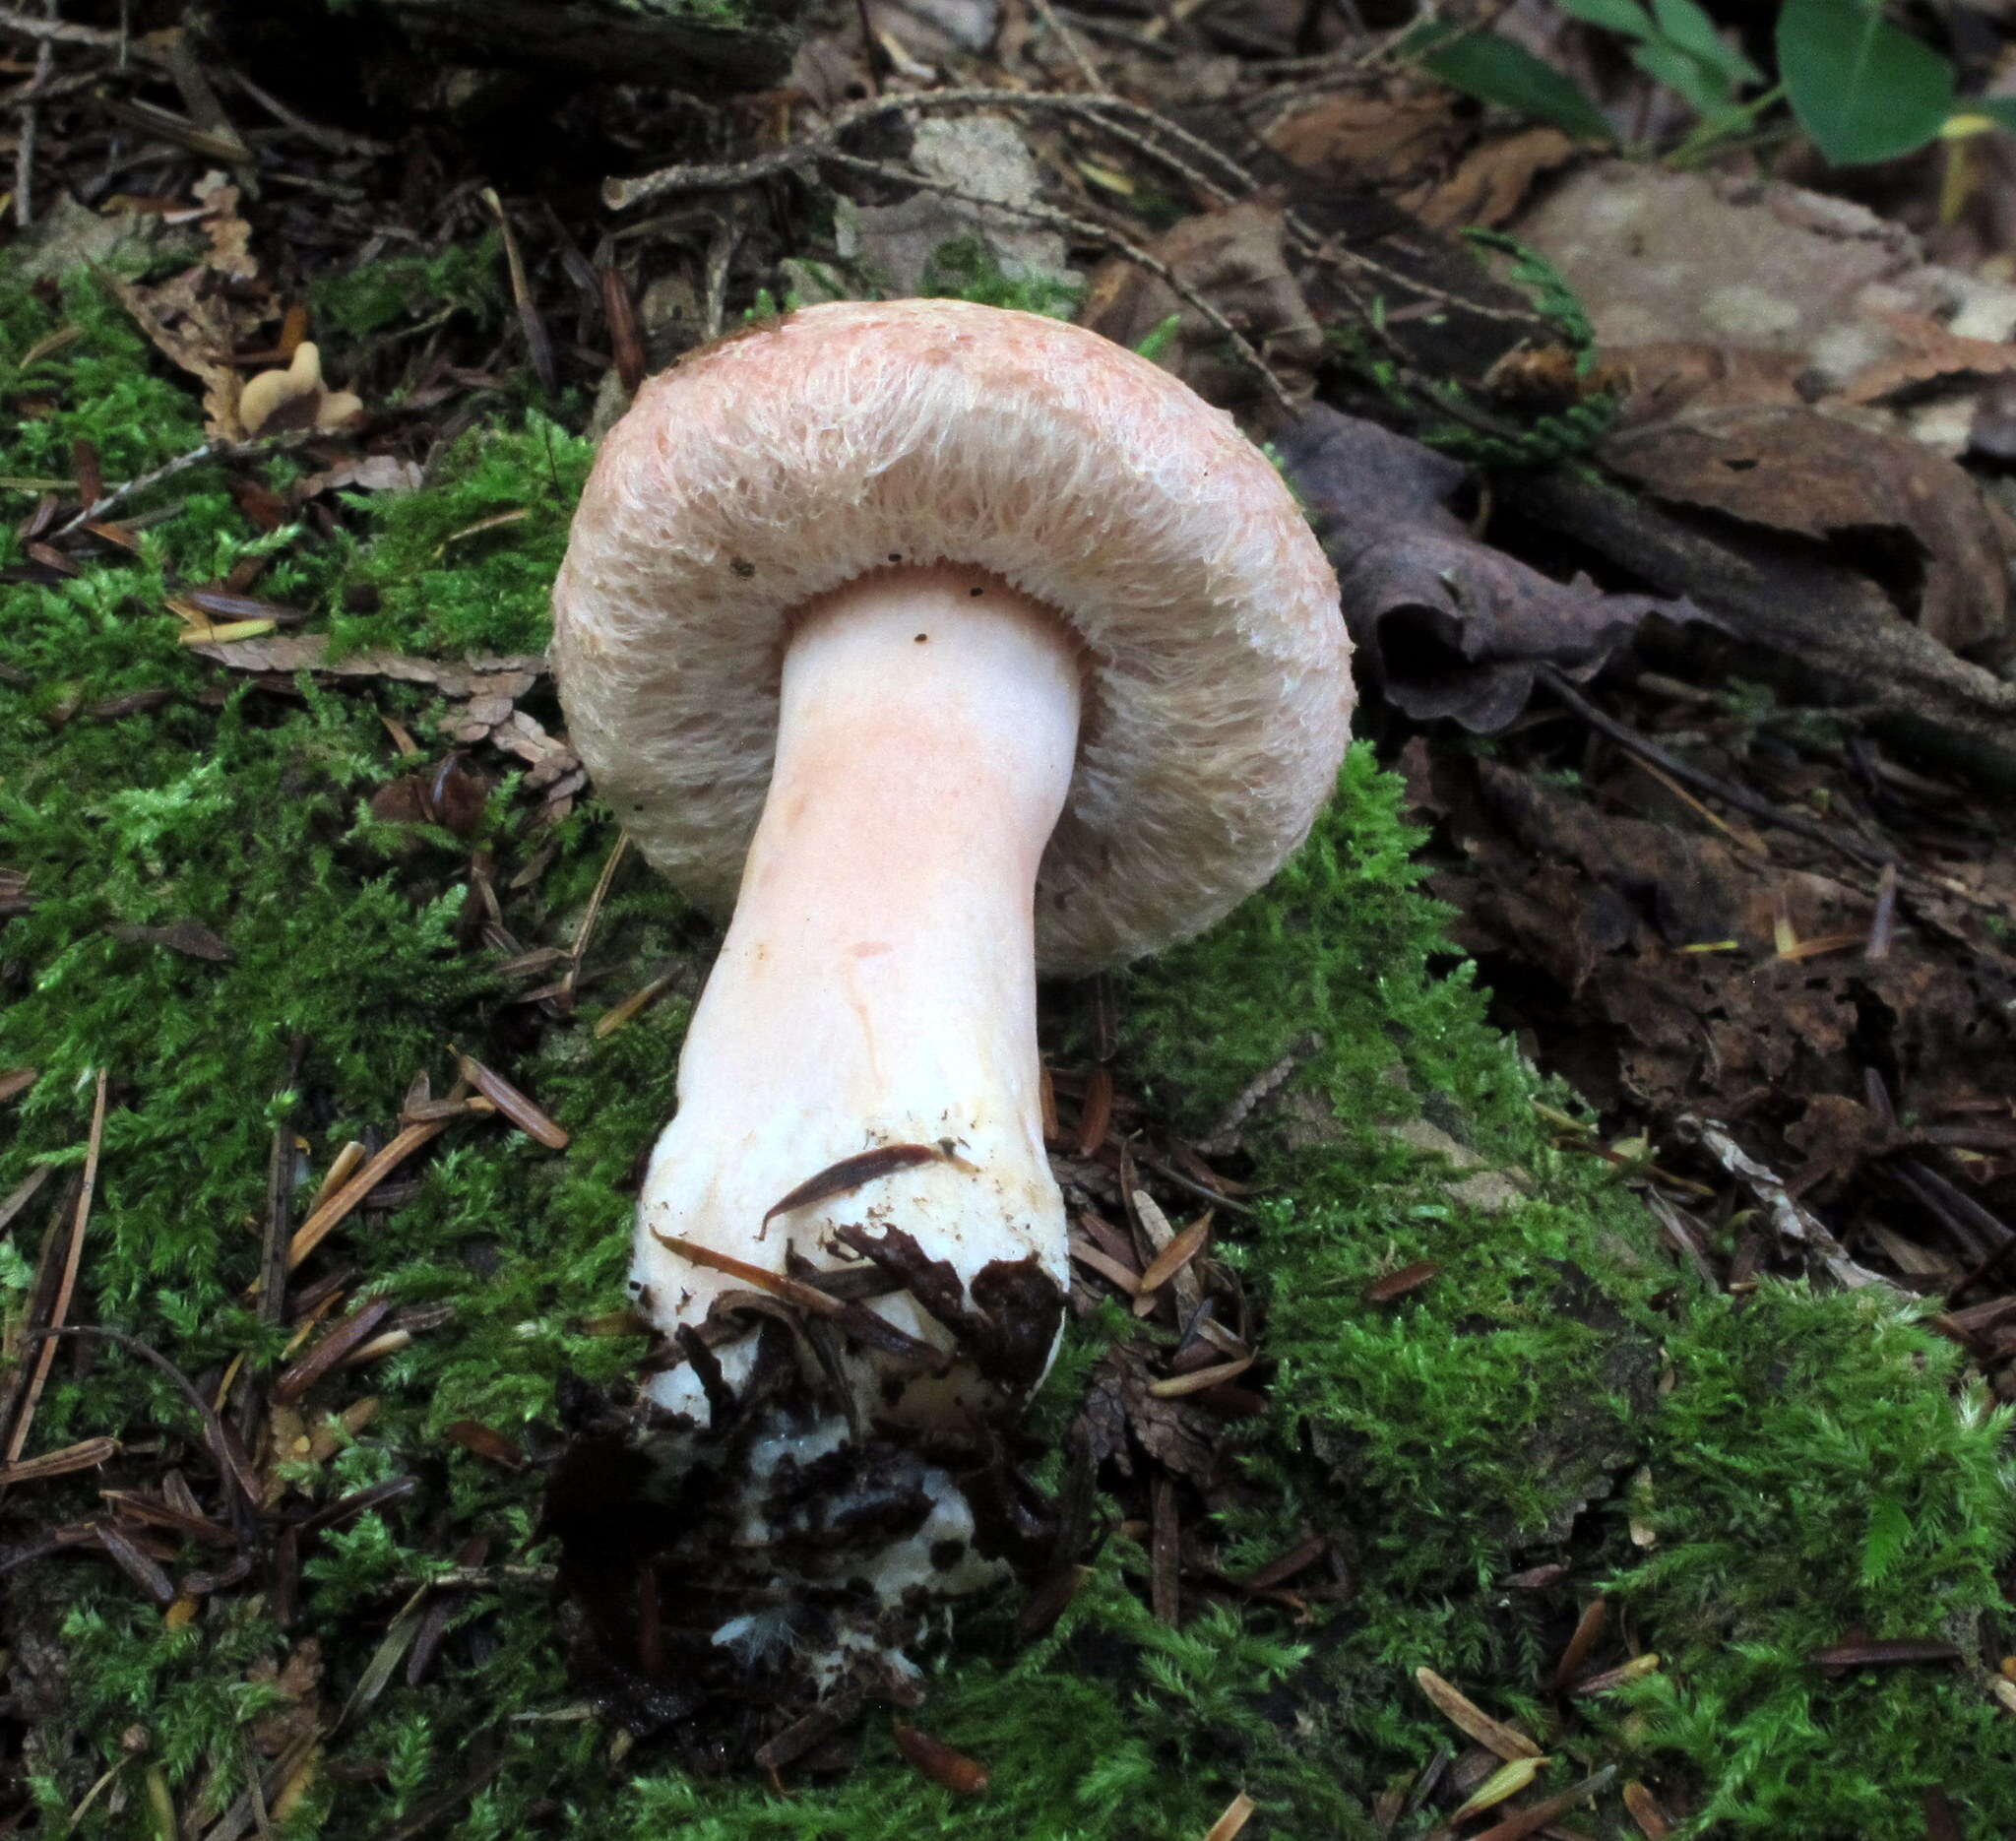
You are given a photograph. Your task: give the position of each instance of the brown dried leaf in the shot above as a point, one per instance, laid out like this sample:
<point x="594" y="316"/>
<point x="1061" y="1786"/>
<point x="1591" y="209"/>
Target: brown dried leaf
<point x="1392" y="144"/>
<point x="480" y="1440"/>
<point x="1885" y="1652"/>
<point x="1662" y="380"/>
<point x="520" y="1109"/>
<point x="1928" y="353"/>
<point x="1794" y="469"/>
<point x="370" y="473"/>
<point x="1451" y="627"/>
<point x="1233" y="1818"/>
<point x="188" y="320"/>
<point x="1232" y="256"/>
<point x="1492" y="181"/>
<point x="299" y="1681"/>
<point x="506" y="676"/>
<point x="229" y="235"/>
<point x="1399" y="1284"/>
<point x="851" y="1173"/>
<point x="1646" y="1812"/>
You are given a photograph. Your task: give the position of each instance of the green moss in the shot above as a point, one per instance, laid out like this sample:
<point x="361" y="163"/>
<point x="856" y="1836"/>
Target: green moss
<point x="966" y="269"/>
<point x="95" y="384"/>
<point x="413" y="286"/>
<point x="467" y="565"/>
<point x="1812" y="1479"/>
<point x="1810" y="1473"/>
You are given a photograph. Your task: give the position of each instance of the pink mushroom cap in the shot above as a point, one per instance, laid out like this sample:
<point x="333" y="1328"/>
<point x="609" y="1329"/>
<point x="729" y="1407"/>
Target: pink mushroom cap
<point x="790" y="459"/>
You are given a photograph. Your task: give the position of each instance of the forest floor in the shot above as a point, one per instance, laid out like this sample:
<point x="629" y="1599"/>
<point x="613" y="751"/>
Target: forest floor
<point x="1604" y="1131"/>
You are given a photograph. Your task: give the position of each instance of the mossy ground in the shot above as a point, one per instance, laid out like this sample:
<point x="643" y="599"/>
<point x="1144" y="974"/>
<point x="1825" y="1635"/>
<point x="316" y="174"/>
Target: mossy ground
<point x="1808" y="1466"/>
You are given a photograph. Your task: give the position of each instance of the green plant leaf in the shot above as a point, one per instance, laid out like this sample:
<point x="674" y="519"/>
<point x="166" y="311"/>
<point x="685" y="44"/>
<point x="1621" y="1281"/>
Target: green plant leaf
<point x="1667" y="64"/>
<point x="1682" y="23"/>
<point x="1861" y="89"/>
<point x="1706" y="91"/>
<point x="1495" y="70"/>
<point x="1624" y="16"/>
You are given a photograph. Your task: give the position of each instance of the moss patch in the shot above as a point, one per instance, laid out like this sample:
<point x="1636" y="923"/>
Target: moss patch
<point x="1809" y="1471"/>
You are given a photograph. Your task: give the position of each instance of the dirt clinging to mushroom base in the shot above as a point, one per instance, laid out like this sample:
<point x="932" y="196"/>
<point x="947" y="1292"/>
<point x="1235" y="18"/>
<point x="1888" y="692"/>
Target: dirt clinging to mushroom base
<point x="738" y="1590"/>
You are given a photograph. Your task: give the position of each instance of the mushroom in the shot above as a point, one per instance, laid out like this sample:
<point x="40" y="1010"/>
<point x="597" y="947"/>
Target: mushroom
<point x="266" y="394"/>
<point x="931" y="642"/>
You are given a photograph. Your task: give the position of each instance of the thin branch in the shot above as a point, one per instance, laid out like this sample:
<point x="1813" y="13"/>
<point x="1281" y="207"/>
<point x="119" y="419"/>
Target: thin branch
<point x="31" y="130"/>
<point x="66" y="1289"/>
<point x="1068" y="39"/>
<point x="1098" y="110"/>
<point x="1727" y="791"/>
<point x="182" y="464"/>
<point x="1086" y="230"/>
<point x="56" y="31"/>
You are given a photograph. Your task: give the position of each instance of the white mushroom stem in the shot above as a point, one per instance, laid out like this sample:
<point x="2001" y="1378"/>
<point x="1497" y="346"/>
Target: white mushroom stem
<point x="877" y="985"/>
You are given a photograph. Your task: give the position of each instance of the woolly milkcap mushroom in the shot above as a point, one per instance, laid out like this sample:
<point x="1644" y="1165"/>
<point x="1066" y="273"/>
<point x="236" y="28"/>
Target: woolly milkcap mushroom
<point x="932" y="642"/>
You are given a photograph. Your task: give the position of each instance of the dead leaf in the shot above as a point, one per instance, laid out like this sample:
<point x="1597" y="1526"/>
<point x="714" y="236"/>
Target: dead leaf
<point x="1492" y="181"/>
<point x="1660" y="381"/>
<point x="1469" y="1719"/>
<point x="228" y="234"/>
<point x="1122" y="1413"/>
<point x="300" y="1714"/>
<point x="1449" y="626"/>
<point x="191" y="938"/>
<point x="372" y="473"/>
<point x="1911" y="519"/>
<point x="450" y="793"/>
<point x="1232" y="256"/>
<point x="507" y="674"/>
<point x="189" y="322"/>
<point x="1659" y="256"/>
<point x="1372" y="143"/>
<point x="1927" y="352"/>
<point x="934" y="1759"/>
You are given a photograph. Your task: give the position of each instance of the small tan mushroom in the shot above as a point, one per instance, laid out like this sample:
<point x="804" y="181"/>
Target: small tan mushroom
<point x="267" y="394"/>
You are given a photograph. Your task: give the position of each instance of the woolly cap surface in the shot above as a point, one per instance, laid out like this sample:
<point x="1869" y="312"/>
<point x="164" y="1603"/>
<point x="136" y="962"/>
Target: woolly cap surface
<point x="785" y="460"/>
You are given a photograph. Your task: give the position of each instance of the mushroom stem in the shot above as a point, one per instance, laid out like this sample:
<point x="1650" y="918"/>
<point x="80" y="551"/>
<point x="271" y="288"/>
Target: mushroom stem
<point x="877" y="985"/>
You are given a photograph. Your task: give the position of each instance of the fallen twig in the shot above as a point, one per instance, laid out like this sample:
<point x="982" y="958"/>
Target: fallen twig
<point x="182" y="464"/>
<point x="17" y="1437"/>
<point x="1794" y="1224"/>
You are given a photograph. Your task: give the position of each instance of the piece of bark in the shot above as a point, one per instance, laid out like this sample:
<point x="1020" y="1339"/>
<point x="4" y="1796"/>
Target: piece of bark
<point x="1817" y="618"/>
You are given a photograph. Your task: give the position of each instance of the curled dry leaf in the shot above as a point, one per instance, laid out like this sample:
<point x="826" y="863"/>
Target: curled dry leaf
<point x="1908" y="517"/>
<point x="1492" y="181"/>
<point x="1450" y="626"/>
<point x="372" y="473"/>
<point x="188" y="320"/>
<point x="1397" y="144"/>
<point x="1233" y="257"/>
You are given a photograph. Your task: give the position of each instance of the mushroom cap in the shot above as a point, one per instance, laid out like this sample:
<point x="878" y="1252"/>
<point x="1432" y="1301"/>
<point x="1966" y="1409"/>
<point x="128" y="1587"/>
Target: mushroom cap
<point x="787" y="460"/>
